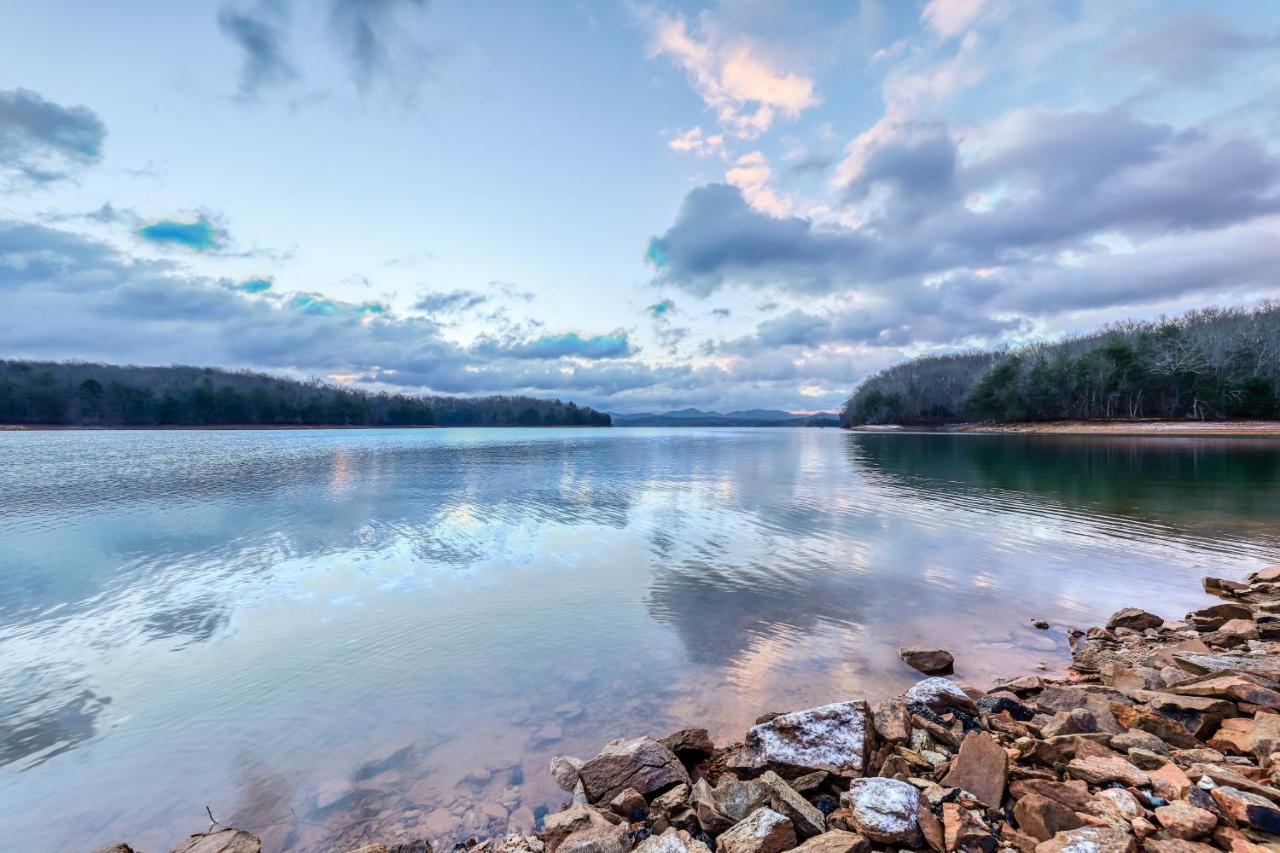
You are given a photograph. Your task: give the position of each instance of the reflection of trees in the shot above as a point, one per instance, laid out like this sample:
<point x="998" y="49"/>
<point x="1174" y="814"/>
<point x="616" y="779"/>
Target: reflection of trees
<point x="1192" y="486"/>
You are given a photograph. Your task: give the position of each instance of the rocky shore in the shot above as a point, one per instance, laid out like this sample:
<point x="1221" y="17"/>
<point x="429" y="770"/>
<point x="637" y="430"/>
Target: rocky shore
<point x="1163" y="736"/>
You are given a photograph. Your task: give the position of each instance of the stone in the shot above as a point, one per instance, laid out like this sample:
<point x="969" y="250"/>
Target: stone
<point x="1176" y="845"/>
<point x="1199" y="715"/>
<point x="1247" y="808"/>
<point x="690" y="745"/>
<point x="603" y="838"/>
<point x="1075" y="721"/>
<point x="1098" y="770"/>
<point x="940" y="695"/>
<point x="221" y="841"/>
<point x="118" y="847"/>
<point x="1170" y="782"/>
<point x="931" y="828"/>
<point x="642" y="763"/>
<point x="1042" y="818"/>
<point x="964" y="830"/>
<point x="1266" y="735"/>
<point x="630" y="805"/>
<point x="1074" y="795"/>
<point x="1138" y="739"/>
<point x="703" y="800"/>
<point x="1116" y="806"/>
<point x="418" y="846"/>
<point x="764" y="831"/>
<point x="671" y="801"/>
<point x="565" y="770"/>
<point x="1089" y="839"/>
<point x="1234" y="736"/>
<point x="927" y="659"/>
<point x="672" y="841"/>
<point x="1238" y="687"/>
<point x="783" y="799"/>
<point x="831" y="737"/>
<point x="836" y="841"/>
<point x="1040" y="624"/>
<point x="1183" y="820"/>
<point x="1134" y="618"/>
<point x="1199" y="663"/>
<point x="892" y="721"/>
<point x="981" y="768"/>
<point x="885" y="810"/>
<point x="736" y="800"/>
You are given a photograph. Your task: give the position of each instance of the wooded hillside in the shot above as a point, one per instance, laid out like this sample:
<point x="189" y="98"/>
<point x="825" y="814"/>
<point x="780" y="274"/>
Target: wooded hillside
<point x="1208" y="364"/>
<point x="84" y="394"/>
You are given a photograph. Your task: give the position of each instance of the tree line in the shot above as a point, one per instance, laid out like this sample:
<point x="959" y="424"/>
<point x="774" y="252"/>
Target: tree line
<point x="84" y="394"/>
<point x="1208" y="364"/>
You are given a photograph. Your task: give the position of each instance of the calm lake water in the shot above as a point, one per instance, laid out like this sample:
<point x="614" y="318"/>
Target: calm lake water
<point x="329" y="635"/>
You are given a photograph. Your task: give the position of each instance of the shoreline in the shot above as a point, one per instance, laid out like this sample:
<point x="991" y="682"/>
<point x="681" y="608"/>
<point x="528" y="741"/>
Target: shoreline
<point x="1149" y="428"/>
<point x="1163" y="735"/>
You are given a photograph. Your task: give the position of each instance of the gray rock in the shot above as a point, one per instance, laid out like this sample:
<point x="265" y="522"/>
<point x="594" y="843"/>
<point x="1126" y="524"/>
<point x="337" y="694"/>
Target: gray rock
<point x="764" y="831"/>
<point x="672" y="841"/>
<point x="221" y="841"/>
<point x="605" y="838"/>
<point x="784" y="800"/>
<point x="565" y="769"/>
<point x="832" y="737"/>
<point x="642" y="763"/>
<point x="941" y="696"/>
<point x="885" y="810"/>
<point x="736" y="800"/>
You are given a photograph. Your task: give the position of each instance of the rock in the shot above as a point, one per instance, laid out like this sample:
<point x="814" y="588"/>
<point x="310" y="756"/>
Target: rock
<point x="1176" y="845"/>
<point x="1098" y="770"/>
<point x="1266" y="735"/>
<point x="1074" y="795"/>
<point x="1234" y="736"/>
<point x="1183" y="820"/>
<point x="1246" y="808"/>
<point x="764" y="831"/>
<point x="565" y="770"/>
<point x="736" y="800"/>
<point x="118" y="847"/>
<point x="630" y="805"/>
<point x="560" y="825"/>
<point x="1040" y="624"/>
<point x="1088" y="839"/>
<point x="1241" y="688"/>
<point x="836" y="841"/>
<point x="981" y="768"/>
<point x="1042" y="818"/>
<point x="642" y="763"/>
<point x="1199" y="715"/>
<point x="892" y="721"/>
<point x="1134" y="618"/>
<point x="830" y="737"/>
<point x="964" y="830"/>
<point x="1116" y="806"/>
<point x="931" y="828"/>
<point x="927" y="659"/>
<point x="672" y="841"/>
<point x="605" y="838"/>
<point x="690" y="745"/>
<point x="671" y="801"/>
<point x="940" y="695"/>
<point x="1138" y="739"/>
<point x="707" y="810"/>
<point x="1075" y="721"/>
<point x="222" y="841"/>
<point x="417" y="846"/>
<point x="1199" y="663"/>
<point x="783" y="799"/>
<point x="885" y="810"/>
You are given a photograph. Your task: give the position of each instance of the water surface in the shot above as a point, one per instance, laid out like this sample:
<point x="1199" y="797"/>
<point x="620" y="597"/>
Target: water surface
<point x="334" y="635"/>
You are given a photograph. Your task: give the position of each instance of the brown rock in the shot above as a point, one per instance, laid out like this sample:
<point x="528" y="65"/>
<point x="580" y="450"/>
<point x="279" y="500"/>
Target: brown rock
<point x="690" y="745"/>
<point x="981" y="768"/>
<point x="783" y="799"/>
<point x="1137" y="738"/>
<point x="604" y="838"/>
<point x="221" y="841"/>
<point x="1042" y="817"/>
<point x="836" y="841"/>
<point x="703" y="800"/>
<point x="1170" y="782"/>
<point x="893" y="721"/>
<point x="1267" y="666"/>
<point x="764" y="831"/>
<point x="1183" y="820"/>
<point x="642" y="763"/>
<point x="118" y="847"/>
<point x="964" y="830"/>
<point x="736" y="800"/>
<point x="1234" y="736"/>
<point x="931" y="828"/>
<point x="1074" y="795"/>
<point x="1224" y="776"/>
<point x="1248" y="809"/>
<point x="1266" y="735"/>
<point x="1075" y="721"/>
<point x="558" y="826"/>
<point x="927" y="659"/>
<point x="1088" y="839"/>
<point x="1134" y="619"/>
<point x="1176" y="845"/>
<point x="1098" y="770"/>
<point x="630" y="804"/>
<point x="1169" y="730"/>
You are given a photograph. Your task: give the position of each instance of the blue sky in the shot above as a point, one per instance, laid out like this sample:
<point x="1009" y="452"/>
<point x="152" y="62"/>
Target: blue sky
<point x="636" y="205"/>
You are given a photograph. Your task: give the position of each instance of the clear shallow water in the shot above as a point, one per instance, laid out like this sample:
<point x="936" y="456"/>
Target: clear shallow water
<point x="331" y="635"/>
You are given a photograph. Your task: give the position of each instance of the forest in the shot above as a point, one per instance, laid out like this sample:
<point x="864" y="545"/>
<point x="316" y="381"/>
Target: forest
<point x="1208" y="364"/>
<point x="84" y="394"/>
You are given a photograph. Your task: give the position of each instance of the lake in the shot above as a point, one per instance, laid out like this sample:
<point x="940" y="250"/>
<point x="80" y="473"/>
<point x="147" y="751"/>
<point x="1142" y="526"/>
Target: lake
<point x="336" y="635"/>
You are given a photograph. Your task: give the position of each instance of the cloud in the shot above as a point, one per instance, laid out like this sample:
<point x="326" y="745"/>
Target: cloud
<point x="693" y="141"/>
<point x="662" y="309"/>
<point x="197" y="235"/>
<point x="260" y="33"/>
<point x="566" y="345"/>
<point x="450" y="302"/>
<point x="254" y="285"/>
<point x="41" y="142"/>
<point x="751" y="173"/>
<point x="378" y="46"/>
<point x="744" y="89"/>
<point x="1189" y="49"/>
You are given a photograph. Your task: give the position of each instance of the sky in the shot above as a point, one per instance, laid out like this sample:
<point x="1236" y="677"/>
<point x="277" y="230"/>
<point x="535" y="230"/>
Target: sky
<point x="637" y="206"/>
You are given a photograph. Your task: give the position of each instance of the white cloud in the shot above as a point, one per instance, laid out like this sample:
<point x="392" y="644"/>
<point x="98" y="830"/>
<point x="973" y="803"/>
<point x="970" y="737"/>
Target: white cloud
<point x="694" y="141"/>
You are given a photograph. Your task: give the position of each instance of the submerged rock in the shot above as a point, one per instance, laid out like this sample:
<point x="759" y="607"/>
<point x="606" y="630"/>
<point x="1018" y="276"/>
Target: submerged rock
<point x="927" y="659"/>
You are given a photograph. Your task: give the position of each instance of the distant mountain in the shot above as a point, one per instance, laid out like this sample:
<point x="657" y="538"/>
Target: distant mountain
<point x="748" y="417"/>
